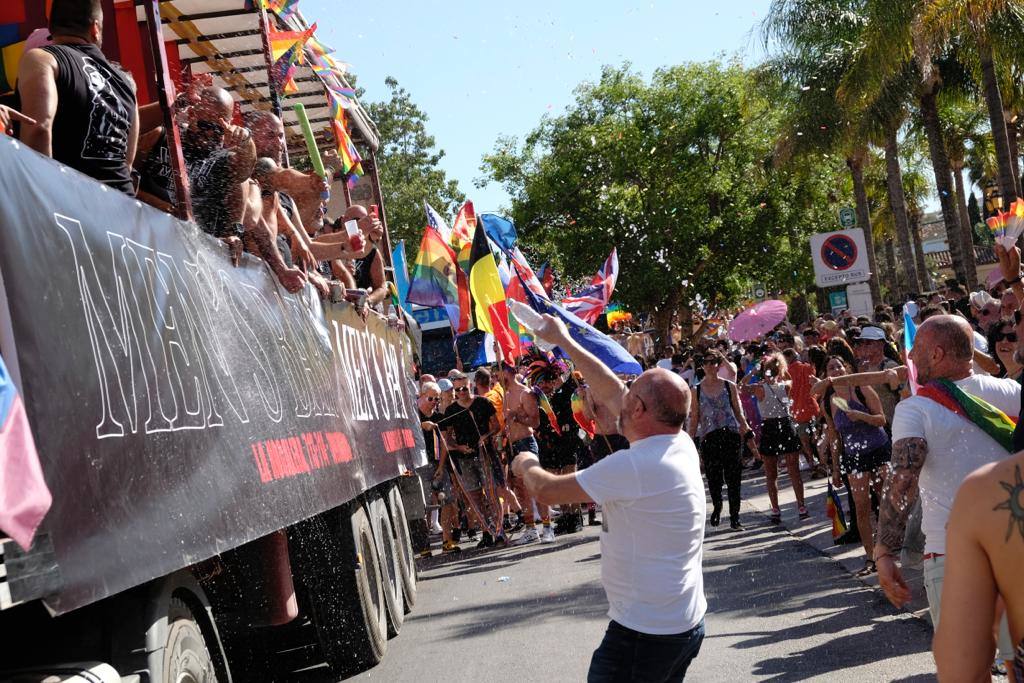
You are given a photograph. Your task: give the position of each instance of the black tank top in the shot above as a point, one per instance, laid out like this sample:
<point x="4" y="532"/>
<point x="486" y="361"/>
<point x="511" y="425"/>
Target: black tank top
<point x="364" y="269"/>
<point x="95" y="109"/>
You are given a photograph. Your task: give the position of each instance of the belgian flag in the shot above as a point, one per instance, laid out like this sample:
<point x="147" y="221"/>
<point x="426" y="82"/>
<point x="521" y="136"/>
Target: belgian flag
<point x="489" y="303"/>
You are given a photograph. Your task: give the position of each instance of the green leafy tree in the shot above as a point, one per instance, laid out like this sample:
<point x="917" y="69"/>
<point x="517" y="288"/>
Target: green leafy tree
<point x="409" y="166"/>
<point x="679" y="174"/>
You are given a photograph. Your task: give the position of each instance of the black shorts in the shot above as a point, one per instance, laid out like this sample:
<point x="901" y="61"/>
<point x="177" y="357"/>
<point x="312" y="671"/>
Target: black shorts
<point x="778" y="437"/>
<point x="865" y="463"/>
<point x="557" y="458"/>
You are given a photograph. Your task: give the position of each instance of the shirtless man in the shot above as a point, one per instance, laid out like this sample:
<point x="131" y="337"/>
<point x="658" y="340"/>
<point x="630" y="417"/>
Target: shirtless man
<point x="522" y="416"/>
<point x="985" y="540"/>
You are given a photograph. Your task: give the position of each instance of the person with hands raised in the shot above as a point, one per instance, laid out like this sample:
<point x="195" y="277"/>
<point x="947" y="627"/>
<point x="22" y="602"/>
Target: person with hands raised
<point x="653" y="504"/>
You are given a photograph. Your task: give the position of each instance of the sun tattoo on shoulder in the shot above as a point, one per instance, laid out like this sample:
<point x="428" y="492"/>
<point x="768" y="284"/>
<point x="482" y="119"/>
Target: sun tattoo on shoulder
<point x="1015" y="504"/>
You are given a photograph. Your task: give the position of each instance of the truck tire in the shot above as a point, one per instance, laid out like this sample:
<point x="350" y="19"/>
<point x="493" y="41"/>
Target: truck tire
<point x="403" y="542"/>
<point x="343" y="588"/>
<point x="391" y="572"/>
<point x="186" y="658"/>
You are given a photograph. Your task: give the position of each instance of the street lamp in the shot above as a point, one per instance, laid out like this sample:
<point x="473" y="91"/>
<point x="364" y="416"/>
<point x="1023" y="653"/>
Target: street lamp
<point x="993" y="199"/>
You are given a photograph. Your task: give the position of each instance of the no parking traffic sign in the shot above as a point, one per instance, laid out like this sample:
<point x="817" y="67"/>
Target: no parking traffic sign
<point x="840" y="257"/>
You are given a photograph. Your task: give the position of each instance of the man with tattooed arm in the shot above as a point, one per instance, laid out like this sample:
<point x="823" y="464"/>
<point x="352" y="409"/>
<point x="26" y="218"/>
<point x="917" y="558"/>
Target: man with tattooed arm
<point x="935" y="449"/>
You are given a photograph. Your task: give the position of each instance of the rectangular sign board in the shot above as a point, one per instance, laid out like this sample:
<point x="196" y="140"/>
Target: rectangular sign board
<point x="840" y="257"/>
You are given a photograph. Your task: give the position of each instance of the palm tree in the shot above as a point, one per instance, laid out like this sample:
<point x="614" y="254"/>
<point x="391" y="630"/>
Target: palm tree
<point x="814" y="52"/>
<point x="977" y="21"/>
<point x="892" y="41"/>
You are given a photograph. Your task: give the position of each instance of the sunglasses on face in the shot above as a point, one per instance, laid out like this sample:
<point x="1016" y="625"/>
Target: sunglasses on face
<point x="433" y="399"/>
<point x="989" y="311"/>
<point x="1005" y="336"/>
<point x="459" y="390"/>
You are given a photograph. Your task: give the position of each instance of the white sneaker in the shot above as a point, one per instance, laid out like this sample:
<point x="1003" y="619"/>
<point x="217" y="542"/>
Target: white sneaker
<point x="436" y="529"/>
<point x="530" y="536"/>
<point x="548" y="536"/>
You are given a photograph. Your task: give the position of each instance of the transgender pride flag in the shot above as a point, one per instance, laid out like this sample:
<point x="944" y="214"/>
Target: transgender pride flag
<point x="24" y="496"/>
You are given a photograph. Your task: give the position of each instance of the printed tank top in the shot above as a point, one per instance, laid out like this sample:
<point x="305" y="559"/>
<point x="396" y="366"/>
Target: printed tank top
<point x="716" y="412"/>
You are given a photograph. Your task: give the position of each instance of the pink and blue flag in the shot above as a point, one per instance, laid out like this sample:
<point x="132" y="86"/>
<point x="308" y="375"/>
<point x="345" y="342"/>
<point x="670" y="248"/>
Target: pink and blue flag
<point x="24" y="496"/>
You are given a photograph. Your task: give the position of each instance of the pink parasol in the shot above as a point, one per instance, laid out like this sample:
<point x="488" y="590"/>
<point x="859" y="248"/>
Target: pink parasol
<point x="757" y="320"/>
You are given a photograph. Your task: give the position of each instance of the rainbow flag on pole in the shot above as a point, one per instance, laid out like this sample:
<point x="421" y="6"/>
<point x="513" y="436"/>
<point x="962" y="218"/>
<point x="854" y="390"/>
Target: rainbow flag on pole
<point x="438" y="281"/>
<point x="24" y="496"/>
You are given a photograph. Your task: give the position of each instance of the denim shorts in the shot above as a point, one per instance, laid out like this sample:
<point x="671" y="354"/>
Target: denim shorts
<point x="525" y="444"/>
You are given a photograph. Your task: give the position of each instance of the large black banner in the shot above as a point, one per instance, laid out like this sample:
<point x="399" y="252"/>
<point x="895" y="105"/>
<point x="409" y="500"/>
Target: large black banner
<point x="181" y="406"/>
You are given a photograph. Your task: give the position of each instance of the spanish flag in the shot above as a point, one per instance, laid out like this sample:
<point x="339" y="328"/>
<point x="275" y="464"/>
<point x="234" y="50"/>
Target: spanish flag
<point x="489" y="296"/>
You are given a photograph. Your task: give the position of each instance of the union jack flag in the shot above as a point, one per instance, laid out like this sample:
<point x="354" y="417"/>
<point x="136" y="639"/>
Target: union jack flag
<point x="589" y="303"/>
<point x="438" y="223"/>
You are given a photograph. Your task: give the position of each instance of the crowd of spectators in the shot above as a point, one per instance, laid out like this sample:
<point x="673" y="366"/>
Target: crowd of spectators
<point x="78" y="107"/>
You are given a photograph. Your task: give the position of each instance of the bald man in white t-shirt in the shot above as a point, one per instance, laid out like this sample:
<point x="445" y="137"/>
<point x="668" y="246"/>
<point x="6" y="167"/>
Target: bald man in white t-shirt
<point x="653" y="509"/>
<point x="934" y="449"/>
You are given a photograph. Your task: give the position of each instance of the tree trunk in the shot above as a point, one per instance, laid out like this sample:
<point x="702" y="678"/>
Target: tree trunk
<point x="994" y="101"/>
<point x="922" y="267"/>
<point x="663" y="319"/>
<point x="897" y="200"/>
<point x="856" y="165"/>
<point x="943" y="179"/>
<point x="897" y="289"/>
<point x="966" y="230"/>
<point x="1011" y="137"/>
<point x="887" y="259"/>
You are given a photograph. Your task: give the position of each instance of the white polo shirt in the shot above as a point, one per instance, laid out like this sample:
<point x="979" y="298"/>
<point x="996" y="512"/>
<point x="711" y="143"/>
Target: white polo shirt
<point x="652" y="536"/>
<point x="956" y="447"/>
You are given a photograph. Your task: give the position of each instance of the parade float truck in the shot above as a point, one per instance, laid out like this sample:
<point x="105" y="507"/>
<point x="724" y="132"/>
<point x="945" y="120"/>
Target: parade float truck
<point x="230" y="465"/>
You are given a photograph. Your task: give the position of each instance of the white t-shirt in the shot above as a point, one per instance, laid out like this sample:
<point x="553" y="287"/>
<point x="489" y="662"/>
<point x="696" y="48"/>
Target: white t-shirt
<point x="956" y="447"/>
<point x="664" y="363"/>
<point x="652" y="535"/>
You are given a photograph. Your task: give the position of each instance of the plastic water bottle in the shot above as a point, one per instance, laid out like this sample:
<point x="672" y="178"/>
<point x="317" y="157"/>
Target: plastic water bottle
<point x="531" y="320"/>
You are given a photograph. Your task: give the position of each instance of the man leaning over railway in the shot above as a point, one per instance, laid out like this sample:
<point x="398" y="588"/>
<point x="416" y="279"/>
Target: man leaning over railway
<point x="652" y="534"/>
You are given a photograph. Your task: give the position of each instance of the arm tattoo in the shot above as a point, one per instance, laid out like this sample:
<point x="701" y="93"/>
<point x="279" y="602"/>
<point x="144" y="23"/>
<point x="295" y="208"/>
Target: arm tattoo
<point x="900" y="492"/>
<point x="1014" y="504"/>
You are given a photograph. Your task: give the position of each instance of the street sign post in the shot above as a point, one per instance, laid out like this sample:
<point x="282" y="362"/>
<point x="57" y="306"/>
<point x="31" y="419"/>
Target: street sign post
<point x="837" y="301"/>
<point x="840" y="257"/>
<point x="847" y="218"/>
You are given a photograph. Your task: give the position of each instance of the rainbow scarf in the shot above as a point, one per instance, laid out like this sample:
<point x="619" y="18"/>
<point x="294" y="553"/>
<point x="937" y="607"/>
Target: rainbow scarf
<point x="982" y="414"/>
<point x="545" y="405"/>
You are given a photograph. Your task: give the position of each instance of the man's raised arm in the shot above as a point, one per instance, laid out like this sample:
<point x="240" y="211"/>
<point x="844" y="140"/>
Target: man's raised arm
<point x="605" y="388"/>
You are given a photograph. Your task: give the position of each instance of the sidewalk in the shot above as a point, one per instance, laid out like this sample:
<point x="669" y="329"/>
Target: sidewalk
<point x="817" y="531"/>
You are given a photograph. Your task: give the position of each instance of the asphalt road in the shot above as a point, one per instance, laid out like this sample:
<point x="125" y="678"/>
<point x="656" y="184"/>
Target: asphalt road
<point x="780" y="609"/>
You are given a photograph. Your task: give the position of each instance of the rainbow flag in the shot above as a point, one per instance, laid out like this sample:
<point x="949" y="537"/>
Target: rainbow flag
<point x="834" y="510"/>
<point x="979" y="412"/>
<point x="10" y="57"/>
<point x="350" y="159"/>
<point x="283" y="41"/>
<point x="578" y="414"/>
<point x="545" y="405"/>
<point x="437" y="281"/>
<point x="26" y="498"/>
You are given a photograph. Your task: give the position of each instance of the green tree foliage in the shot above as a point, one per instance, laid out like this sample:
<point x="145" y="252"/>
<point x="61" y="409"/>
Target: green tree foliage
<point x="409" y="167"/>
<point x="680" y="174"/>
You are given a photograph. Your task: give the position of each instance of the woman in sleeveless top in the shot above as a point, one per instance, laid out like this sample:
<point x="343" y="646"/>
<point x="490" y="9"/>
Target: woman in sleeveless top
<point x="858" y="418"/>
<point x="778" y="437"/>
<point x="717" y="421"/>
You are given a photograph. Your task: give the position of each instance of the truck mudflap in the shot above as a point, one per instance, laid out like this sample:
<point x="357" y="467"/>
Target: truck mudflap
<point x="181" y="406"/>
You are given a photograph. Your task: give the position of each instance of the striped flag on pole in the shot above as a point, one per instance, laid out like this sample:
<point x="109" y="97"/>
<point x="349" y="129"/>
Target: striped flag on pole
<point x="588" y="304"/>
<point x="24" y="496"/>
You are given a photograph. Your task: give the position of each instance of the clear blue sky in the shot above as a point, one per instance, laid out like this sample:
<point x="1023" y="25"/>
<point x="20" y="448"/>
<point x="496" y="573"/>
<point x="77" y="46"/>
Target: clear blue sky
<point x="483" y="69"/>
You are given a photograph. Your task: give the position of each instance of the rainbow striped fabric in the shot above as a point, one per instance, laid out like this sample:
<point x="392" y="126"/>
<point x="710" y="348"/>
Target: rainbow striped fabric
<point x="545" y="405"/>
<point x="982" y="414"/>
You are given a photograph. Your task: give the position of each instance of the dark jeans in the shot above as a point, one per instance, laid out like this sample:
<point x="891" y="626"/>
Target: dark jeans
<point x="628" y="655"/>
<point x="722" y="462"/>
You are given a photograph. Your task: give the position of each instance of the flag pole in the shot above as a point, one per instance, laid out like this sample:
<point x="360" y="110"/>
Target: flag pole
<point x="455" y="348"/>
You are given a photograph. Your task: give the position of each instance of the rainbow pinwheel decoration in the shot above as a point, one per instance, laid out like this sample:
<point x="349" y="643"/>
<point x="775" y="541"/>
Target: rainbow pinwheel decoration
<point x="1007" y="226"/>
